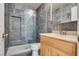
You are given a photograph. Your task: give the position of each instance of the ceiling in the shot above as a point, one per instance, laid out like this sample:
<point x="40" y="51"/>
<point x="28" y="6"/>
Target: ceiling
<point x="56" y="5"/>
<point x="59" y="5"/>
<point x="23" y="6"/>
<point x="34" y="6"/>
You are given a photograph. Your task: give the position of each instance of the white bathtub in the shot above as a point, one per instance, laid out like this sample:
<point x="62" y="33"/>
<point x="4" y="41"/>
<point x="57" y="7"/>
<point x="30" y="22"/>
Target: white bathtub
<point x="23" y="49"/>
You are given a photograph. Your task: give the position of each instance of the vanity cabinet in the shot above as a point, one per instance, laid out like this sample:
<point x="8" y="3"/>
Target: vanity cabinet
<point x="56" y="47"/>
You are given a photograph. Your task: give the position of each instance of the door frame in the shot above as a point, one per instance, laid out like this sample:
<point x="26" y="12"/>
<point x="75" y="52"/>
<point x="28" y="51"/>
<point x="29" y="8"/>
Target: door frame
<point x="2" y="30"/>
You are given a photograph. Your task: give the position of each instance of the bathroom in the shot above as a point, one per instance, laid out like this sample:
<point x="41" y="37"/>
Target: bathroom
<point x="24" y="22"/>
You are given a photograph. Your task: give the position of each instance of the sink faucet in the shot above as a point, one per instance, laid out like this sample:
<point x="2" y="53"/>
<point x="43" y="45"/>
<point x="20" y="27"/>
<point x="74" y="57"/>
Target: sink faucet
<point x="63" y="32"/>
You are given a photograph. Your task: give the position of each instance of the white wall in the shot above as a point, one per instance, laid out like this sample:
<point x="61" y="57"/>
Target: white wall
<point x="78" y="29"/>
<point x="1" y="29"/>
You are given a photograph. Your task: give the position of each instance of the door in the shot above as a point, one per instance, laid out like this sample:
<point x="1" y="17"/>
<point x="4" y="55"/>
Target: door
<point x="14" y="31"/>
<point x="1" y="29"/>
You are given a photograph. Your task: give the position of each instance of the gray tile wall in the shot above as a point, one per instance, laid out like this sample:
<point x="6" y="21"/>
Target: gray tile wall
<point x="71" y="26"/>
<point x="61" y="15"/>
<point x="28" y="23"/>
<point x="43" y="14"/>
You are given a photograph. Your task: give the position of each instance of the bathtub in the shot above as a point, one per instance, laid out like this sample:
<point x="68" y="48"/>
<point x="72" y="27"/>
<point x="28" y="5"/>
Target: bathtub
<point x="23" y="50"/>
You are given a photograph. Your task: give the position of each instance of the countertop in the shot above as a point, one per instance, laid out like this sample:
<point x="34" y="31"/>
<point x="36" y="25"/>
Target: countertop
<point x="71" y="38"/>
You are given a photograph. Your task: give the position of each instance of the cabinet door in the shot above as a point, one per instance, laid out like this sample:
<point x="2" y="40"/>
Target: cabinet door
<point x="42" y="50"/>
<point x="45" y="50"/>
<point x="56" y="52"/>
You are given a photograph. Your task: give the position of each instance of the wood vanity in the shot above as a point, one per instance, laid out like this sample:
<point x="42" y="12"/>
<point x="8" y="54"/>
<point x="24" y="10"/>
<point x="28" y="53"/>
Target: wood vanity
<point x="58" y="45"/>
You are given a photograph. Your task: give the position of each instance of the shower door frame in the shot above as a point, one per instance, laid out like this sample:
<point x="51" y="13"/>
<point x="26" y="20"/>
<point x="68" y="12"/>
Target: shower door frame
<point x="20" y="25"/>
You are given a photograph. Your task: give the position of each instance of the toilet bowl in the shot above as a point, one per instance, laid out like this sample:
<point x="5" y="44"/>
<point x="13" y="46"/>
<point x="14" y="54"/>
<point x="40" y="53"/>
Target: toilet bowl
<point x="35" y="49"/>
